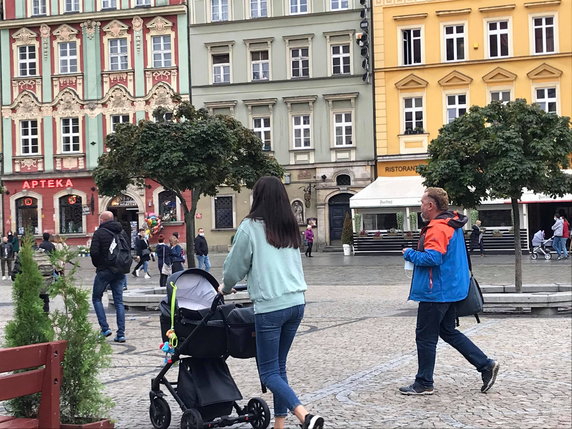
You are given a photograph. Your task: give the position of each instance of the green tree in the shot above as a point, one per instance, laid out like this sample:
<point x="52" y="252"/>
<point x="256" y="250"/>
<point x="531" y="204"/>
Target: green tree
<point x="194" y="151"/>
<point x="30" y="324"/>
<point x="347" y="232"/>
<point x="87" y="352"/>
<point x="497" y="151"/>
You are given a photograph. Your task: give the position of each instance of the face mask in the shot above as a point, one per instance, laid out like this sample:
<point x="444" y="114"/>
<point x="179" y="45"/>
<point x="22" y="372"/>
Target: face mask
<point x="202" y="234"/>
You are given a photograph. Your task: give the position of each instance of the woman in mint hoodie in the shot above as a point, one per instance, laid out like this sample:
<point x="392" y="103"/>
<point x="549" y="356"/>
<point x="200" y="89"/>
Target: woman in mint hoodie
<point x="266" y="248"/>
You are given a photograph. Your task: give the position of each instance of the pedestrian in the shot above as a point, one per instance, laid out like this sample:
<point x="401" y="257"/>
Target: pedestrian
<point x="176" y="254"/>
<point x="266" y="249"/>
<point x="143" y="253"/>
<point x="440" y="278"/>
<point x="565" y="233"/>
<point x="163" y="252"/>
<point x="558" y="232"/>
<point x="309" y="237"/>
<point x="202" y="251"/>
<point x="13" y="238"/>
<point x="7" y="256"/>
<point x="477" y="238"/>
<point x="46" y="244"/>
<point x="59" y="246"/>
<point x="105" y="276"/>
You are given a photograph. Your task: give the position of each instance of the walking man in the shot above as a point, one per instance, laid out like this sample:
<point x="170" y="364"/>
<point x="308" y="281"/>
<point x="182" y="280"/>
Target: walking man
<point x="440" y="278"/>
<point x="202" y="251"/>
<point x="7" y="256"/>
<point x="105" y="276"/>
<point x="557" y="241"/>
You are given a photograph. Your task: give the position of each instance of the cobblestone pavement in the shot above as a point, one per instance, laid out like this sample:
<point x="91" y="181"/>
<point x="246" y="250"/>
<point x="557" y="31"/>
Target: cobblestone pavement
<point x="356" y="347"/>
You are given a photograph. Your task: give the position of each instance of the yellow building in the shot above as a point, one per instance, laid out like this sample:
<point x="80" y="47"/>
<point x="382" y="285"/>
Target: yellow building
<point x="433" y="59"/>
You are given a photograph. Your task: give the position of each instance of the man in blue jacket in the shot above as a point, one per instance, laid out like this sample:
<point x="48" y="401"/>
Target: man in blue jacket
<point x="440" y="278"/>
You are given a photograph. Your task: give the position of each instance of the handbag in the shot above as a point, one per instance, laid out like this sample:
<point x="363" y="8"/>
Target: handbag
<point x="474" y="302"/>
<point x="166" y="269"/>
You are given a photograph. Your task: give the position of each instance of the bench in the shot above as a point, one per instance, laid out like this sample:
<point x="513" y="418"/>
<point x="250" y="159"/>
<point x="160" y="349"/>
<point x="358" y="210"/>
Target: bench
<point x="541" y="299"/>
<point x="45" y="378"/>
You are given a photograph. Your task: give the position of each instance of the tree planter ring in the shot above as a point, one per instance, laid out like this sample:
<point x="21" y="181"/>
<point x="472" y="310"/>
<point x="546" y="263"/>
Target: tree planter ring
<point x="100" y="424"/>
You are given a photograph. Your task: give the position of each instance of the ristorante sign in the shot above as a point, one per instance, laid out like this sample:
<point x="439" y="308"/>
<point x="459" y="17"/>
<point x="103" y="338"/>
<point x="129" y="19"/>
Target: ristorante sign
<point x="47" y="184"/>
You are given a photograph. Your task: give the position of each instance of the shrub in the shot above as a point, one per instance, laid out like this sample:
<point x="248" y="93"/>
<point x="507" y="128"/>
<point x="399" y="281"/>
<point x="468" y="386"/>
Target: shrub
<point x="347" y="232"/>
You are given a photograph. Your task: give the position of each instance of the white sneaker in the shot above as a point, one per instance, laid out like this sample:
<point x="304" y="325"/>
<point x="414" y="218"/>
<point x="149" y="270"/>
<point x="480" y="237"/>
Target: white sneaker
<point x="3" y="277"/>
<point x="147" y="276"/>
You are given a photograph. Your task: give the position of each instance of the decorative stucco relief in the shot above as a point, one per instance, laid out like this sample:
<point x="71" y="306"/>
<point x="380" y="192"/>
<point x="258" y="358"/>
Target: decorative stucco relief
<point x="90" y="27"/>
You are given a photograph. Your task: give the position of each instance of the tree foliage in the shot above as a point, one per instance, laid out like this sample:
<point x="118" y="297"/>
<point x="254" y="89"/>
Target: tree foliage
<point x="194" y="151"/>
<point x="347" y="232"/>
<point x="497" y="151"/>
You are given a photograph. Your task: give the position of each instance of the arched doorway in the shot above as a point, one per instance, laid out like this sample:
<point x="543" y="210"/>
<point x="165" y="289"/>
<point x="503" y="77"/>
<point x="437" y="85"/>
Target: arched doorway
<point x="125" y="209"/>
<point x="338" y="206"/>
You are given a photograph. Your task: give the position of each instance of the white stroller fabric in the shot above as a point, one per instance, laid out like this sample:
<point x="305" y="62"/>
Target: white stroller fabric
<point x="194" y="292"/>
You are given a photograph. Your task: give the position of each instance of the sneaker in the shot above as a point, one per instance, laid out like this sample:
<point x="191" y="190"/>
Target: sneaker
<point x="416" y="389"/>
<point x="119" y="339"/>
<point x="135" y="273"/>
<point x="3" y="277"/>
<point x="489" y="376"/>
<point x="147" y="276"/>
<point x="313" y="422"/>
<point x="106" y="333"/>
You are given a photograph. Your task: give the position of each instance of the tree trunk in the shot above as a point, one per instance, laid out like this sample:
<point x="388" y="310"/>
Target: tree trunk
<point x="189" y="216"/>
<point x="517" y="246"/>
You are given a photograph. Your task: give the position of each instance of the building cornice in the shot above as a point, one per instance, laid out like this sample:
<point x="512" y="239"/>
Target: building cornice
<point x="99" y="16"/>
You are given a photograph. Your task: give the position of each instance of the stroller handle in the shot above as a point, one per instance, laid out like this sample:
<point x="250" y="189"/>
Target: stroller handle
<point x="219" y="298"/>
<point x="240" y="287"/>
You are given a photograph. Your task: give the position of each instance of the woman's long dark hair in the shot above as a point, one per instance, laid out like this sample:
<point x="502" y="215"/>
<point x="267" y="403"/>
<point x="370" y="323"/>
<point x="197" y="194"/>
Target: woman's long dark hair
<point x="270" y="204"/>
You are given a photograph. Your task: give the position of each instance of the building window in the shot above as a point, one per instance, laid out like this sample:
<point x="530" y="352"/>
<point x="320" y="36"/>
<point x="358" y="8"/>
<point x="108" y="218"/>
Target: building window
<point x="27" y="60"/>
<point x="221" y="68"/>
<point x="411" y="39"/>
<point x="261" y="127"/>
<point x="339" y="4"/>
<point x="139" y="3"/>
<point x="70" y="135"/>
<point x="258" y="8"/>
<point x="260" y="65"/>
<point x="456" y="106"/>
<point x="29" y="137"/>
<point x="298" y="7"/>
<point x="27" y="215"/>
<point x="71" y="216"/>
<point x="341" y="59"/>
<point x="161" y="51"/>
<point x="168" y="206"/>
<point x="118" y="119"/>
<point x="118" y="54"/>
<point x="380" y="221"/>
<point x="343" y="129"/>
<point x="413" y="113"/>
<point x="546" y="99"/>
<point x="343" y="180"/>
<point x="223" y="212"/>
<point x="502" y="96"/>
<point x="71" y="6"/>
<point x="109" y="4"/>
<point x="455" y="42"/>
<point x="498" y="39"/>
<point x="68" y="57"/>
<point x="300" y="62"/>
<point x="543" y="35"/>
<point x="302" y="131"/>
<point x="219" y="10"/>
<point x="38" y="7"/>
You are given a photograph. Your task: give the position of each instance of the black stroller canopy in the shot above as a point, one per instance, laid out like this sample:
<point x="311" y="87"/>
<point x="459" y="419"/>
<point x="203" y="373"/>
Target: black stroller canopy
<point x="196" y="289"/>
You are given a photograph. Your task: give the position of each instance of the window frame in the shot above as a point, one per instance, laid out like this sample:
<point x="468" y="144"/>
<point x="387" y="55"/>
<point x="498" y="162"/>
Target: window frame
<point x="162" y="52"/>
<point x="331" y="3"/>
<point x="546" y="87"/>
<point x="299" y="61"/>
<point x="413" y="109"/>
<point x="335" y="127"/>
<point x="555" y="35"/>
<point x="487" y="35"/>
<point x="118" y="55"/>
<point x="27" y="61"/>
<point x="249" y="4"/>
<point x="221" y="10"/>
<point x="401" y="42"/>
<point x="224" y="65"/>
<point x="301" y="127"/>
<point x="102" y="7"/>
<point x="214" y="218"/>
<point x="75" y="4"/>
<point x="113" y="124"/>
<point x="341" y="56"/>
<point x="29" y="138"/>
<point x="490" y="92"/>
<point x="41" y="4"/>
<point x="260" y="131"/>
<point x="260" y="63"/>
<point x="298" y="4"/>
<point x="457" y="106"/>
<point x="454" y="37"/>
<point x="75" y="137"/>
<point x="68" y="58"/>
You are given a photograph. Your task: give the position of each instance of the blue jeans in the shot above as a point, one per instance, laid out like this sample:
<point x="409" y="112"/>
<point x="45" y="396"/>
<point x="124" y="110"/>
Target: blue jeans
<point x="203" y="262"/>
<point x="275" y="333"/>
<point x="115" y="281"/>
<point x="559" y="244"/>
<point x="434" y="320"/>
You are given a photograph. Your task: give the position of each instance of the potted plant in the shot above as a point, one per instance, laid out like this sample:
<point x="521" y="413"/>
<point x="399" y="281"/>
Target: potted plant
<point x="377" y="235"/>
<point x="399" y="216"/>
<point x="347" y="235"/>
<point x="82" y="402"/>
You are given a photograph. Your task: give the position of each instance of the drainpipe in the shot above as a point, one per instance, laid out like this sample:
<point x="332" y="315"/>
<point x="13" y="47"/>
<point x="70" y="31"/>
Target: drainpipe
<point x="186" y="3"/>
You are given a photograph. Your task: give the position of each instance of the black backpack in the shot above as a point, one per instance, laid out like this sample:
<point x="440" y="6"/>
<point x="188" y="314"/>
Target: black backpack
<point x="119" y="257"/>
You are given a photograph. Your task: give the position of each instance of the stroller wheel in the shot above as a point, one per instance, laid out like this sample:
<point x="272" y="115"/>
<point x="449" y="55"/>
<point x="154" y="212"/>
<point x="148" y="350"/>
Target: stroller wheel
<point x="160" y="413"/>
<point x="191" y="419"/>
<point x="260" y="413"/>
<point x="548" y="256"/>
<point x="533" y="256"/>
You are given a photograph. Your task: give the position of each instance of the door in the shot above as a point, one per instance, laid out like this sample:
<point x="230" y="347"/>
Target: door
<point x="339" y="205"/>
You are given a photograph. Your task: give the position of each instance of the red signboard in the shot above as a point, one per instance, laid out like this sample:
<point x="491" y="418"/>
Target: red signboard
<point x="47" y="184"/>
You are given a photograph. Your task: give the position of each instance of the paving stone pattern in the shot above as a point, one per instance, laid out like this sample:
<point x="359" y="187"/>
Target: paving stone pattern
<point x="356" y="346"/>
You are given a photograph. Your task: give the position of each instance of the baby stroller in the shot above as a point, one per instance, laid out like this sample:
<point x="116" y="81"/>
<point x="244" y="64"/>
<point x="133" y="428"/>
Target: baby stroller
<point x="543" y="250"/>
<point x="208" y="332"/>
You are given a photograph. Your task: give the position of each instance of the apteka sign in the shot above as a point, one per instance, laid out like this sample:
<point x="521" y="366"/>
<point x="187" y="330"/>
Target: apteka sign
<point x="47" y="184"/>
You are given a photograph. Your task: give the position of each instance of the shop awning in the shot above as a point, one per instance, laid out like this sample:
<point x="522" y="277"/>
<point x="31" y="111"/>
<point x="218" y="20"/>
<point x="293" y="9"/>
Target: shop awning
<point x="390" y="192"/>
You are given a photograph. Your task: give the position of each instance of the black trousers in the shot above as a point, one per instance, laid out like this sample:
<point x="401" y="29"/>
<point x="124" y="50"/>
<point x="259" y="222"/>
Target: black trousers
<point x="309" y="248"/>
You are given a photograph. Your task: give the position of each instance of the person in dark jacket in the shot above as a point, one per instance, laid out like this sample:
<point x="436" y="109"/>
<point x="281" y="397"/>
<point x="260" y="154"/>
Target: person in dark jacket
<point x="15" y="241"/>
<point x="441" y="278"/>
<point x="105" y="277"/>
<point x="47" y="245"/>
<point x="7" y="256"/>
<point x="177" y="256"/>
<point x="144" y="253"/>
<point x="477" y="238"/>
<point x="202" y="251"/>
<point x="163" y="252"/>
